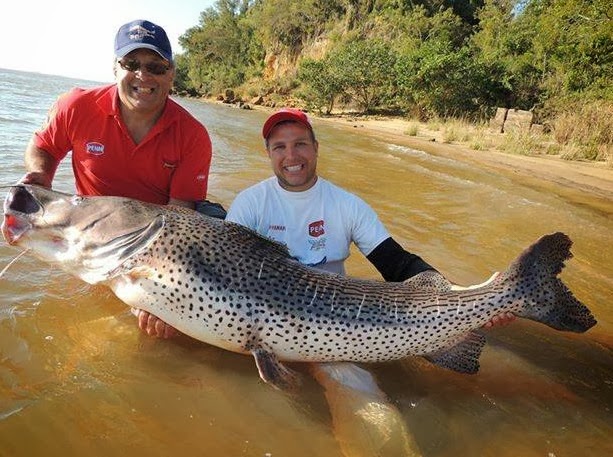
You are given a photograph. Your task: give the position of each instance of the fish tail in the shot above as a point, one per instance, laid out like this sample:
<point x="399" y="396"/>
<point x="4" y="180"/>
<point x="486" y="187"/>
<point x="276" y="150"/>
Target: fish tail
<point x="546" y="298"/>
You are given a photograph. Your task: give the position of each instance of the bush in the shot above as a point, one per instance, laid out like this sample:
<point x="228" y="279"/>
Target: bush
<point x="584" y="123"/>
<point x="444" y="82"/>
<point x="321" y="85"/>
<point x="364" y="70"/>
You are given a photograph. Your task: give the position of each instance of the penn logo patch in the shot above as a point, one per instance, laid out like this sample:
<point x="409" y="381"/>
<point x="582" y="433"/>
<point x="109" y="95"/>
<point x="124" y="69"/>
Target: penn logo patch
<point x="316" y="229"/>
<point x="94" y="148"/>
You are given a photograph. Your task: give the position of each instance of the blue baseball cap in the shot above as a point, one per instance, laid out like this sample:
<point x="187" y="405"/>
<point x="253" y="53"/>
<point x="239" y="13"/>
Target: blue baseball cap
<point x="142" y="34"/>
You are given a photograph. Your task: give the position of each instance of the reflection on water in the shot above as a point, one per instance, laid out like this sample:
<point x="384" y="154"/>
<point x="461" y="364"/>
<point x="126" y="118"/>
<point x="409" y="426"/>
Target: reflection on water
<point x="78" y="378"/>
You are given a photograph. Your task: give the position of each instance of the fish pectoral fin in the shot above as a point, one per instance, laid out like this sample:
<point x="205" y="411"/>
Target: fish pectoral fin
<point x="141" y="272"/>
<point x="462" y="357"/>
<point x="274" y="372"/>
<point x="105" y="261"/>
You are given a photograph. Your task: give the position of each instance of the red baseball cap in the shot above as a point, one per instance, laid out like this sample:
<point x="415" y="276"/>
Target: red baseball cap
<point x="285" y="114"/>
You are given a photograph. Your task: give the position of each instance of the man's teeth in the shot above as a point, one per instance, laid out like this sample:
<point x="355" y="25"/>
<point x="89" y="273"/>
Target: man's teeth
<point x="143" y="90"/>
<point x="294" y="168"/>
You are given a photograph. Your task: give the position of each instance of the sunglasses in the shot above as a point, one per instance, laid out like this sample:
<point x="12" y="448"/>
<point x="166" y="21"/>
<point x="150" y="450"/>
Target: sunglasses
<point x="133" y="65"/>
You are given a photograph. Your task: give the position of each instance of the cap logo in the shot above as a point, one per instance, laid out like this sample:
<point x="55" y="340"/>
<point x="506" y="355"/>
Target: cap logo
<point x="138" y="32"/>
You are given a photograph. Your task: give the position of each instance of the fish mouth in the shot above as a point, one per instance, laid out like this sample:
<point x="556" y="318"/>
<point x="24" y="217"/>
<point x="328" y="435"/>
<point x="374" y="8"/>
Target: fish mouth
<point x="18" y="204"/>
<point x="13" y="228"/>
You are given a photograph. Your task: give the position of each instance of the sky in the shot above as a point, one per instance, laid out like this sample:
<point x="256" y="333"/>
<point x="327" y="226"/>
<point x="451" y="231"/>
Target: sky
<point x="75" y="38"/>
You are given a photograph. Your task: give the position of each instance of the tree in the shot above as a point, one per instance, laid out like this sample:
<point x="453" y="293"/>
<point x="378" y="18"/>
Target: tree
<point x="441" y="81"/>
<point x="575" y="40"/>
<point x="322" y="84"/>
<point x="220" y="51"/>
<point x="504" y="42"/>
<point x="547" y="49"/>
<point x="364" y="71"/>
<point x="288" y="24"/>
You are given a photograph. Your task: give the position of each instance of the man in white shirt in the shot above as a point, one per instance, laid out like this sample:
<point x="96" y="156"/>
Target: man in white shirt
<point x="315" y="219"/>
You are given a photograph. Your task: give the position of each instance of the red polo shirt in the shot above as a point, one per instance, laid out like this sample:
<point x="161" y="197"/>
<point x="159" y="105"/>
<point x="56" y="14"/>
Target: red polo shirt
<point x="172" y="161"/>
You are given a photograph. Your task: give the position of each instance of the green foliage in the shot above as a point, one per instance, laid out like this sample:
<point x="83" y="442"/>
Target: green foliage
<point x="436" y="58"/>
<point x="322" y="84"/>
<point x="288" y="24"/>
<point x="505" y="42"/>
<point x="181" y="84"/>
<point x="548" y="49"/>
<point x="363" y="70"/>
<point x="221" y="51"/>
<point x="576" y="40"/>
<point x="359" y="69"/>
<point x="438" y="80"/>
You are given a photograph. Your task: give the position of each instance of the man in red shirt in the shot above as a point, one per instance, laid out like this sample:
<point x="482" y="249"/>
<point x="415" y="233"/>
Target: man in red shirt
<point x="129" y="138"/>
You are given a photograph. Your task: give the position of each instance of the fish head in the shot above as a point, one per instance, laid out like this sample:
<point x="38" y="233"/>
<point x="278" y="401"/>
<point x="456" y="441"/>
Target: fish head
<point x="89" y="237"/>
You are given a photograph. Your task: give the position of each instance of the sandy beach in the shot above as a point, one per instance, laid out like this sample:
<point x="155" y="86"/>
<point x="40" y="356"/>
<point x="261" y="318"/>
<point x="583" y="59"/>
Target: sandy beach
<point x="587" y="176"/>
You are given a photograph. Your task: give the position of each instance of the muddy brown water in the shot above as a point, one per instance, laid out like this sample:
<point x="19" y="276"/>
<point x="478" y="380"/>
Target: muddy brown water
<point x="78" y="378"/>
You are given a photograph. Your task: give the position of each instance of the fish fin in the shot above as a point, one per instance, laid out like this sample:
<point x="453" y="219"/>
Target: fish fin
<point x="462" y="357"/>
<point x="430" y="280"/>
<point x="141" y="272"/>
<point x="118" y="250"/>
<point x="274" y="372"/>
<point x="253" y="241"/>
<point x="548" y="300"/>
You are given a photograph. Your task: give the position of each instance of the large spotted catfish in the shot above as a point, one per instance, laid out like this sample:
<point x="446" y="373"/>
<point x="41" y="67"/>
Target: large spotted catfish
<point x="227" y="286"/>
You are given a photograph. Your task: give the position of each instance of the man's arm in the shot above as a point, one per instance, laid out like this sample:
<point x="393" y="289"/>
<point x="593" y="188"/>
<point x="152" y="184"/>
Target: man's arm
<point x="394" y="263"/>
<point x="40" y="166"/>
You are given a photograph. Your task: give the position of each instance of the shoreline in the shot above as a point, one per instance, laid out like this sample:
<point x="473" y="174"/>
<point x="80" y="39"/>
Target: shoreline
<point x="586" y="176"/>
<point x="583" y="183"/>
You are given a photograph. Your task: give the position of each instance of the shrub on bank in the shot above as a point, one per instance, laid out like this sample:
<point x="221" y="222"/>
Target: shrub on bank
<point x="585" y="130"/>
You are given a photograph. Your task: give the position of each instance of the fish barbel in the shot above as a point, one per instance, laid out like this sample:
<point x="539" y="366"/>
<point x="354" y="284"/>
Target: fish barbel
<point x="225" y="285"/>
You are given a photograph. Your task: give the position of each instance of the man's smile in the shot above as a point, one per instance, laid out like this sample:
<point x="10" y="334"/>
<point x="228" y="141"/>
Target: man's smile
<point x="293" y="168"/>
<point x="143" y="90"/>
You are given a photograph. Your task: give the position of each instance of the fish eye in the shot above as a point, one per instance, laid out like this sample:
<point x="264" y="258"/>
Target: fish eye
<point x="76" y="200"/>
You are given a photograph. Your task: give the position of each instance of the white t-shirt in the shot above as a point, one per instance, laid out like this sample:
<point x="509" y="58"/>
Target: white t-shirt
<point x="317" y="225"/>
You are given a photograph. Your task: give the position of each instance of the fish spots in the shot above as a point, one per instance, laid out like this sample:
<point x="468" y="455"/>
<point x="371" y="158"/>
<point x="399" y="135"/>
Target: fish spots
<point x="236" y="287"/>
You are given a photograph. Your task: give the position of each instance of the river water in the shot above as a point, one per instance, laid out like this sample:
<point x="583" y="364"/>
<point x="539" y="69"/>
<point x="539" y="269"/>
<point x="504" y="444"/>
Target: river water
<point x="78" y="378"/>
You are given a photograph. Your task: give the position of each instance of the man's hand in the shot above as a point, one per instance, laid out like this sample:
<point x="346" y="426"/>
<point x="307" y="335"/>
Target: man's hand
<point x="37" y="178"/>
<point x="154" y="326"/>
<point x="40" y="166"/>
<point x="500" y="320"/>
